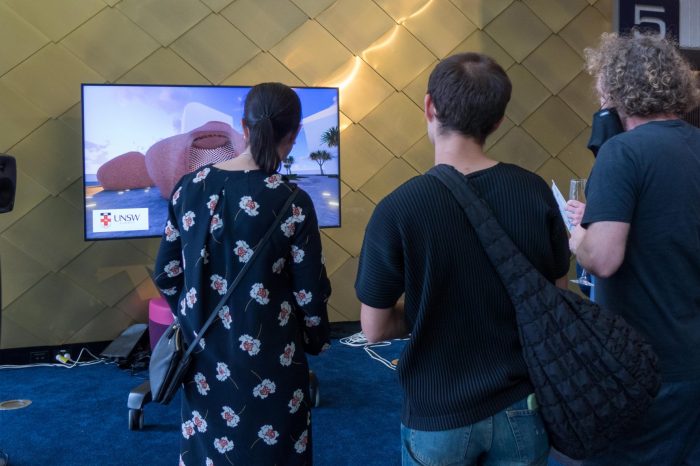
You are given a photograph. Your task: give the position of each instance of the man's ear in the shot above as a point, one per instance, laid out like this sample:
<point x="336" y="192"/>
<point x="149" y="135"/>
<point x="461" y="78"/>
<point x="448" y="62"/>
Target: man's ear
<point x="429" y="108"/>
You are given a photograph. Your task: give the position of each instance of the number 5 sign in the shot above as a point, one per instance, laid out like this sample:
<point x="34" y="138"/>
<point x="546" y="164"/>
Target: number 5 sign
<point x="660" y="16"/>
<point x="679" y="19"/>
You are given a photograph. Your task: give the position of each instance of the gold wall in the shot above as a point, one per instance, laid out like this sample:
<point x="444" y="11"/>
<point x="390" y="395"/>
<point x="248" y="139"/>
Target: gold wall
<point x="59" y="289"/>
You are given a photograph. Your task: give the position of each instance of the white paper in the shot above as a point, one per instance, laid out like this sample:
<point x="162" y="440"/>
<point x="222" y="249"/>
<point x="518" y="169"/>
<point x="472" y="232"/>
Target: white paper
<point x="561" y="202"/>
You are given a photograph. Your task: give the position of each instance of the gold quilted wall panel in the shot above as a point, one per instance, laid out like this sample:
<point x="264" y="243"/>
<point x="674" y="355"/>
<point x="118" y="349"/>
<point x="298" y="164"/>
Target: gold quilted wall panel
<point x="59" y="289"/>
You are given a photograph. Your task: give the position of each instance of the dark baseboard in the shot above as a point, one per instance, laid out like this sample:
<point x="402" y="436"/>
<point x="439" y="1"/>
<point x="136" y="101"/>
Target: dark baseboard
<point x="47" y="354"/>
<point x="344" y="329"/>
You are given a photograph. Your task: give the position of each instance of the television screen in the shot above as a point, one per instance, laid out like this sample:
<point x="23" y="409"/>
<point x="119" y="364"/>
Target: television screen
<point x="139" y="140"/>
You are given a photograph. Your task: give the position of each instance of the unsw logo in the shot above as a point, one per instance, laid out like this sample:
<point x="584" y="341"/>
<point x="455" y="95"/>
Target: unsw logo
<point x="119" y="220"/>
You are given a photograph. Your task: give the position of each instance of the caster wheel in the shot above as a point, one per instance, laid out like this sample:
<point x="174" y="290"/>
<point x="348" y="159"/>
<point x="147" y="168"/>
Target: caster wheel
<point x="314" y="393"/>
<point x="135" y="419"/>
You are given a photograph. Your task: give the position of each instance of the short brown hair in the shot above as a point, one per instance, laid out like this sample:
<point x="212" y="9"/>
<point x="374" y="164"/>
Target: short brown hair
<point x="470" y="92"/>
<point x="642" y="74"/>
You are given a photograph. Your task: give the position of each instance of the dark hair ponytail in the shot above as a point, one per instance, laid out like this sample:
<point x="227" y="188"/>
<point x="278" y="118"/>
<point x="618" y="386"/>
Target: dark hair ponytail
<point x="271" y="112"/>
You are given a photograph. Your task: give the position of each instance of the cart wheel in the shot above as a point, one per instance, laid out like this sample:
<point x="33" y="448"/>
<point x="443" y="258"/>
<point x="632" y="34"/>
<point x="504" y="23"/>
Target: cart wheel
<point x="314" y="393"/>
<point x="135" y="419"/>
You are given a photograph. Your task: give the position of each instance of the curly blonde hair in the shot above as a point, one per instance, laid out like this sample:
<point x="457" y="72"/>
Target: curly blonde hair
<point x="643" y="75"/>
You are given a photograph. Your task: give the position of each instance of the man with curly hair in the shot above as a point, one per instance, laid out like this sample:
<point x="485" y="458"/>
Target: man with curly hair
<point x="640" y="233"/>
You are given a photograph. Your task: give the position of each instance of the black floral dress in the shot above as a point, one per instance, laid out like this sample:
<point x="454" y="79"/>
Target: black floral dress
<point x="246" y="400"/>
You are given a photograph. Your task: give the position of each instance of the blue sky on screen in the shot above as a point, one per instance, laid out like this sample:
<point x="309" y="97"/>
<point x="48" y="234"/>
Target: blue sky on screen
<point x="122" y="118"/>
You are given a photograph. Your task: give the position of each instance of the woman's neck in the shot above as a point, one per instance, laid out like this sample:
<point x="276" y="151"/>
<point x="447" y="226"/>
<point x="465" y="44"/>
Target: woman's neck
<point x="243" y="161"/>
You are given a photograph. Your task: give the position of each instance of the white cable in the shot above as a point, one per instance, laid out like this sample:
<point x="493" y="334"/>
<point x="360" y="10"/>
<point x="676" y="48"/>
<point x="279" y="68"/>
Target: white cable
<point x="68" y="365"/>
<point x="369" y="349"/>
<point x="359" y="340"/>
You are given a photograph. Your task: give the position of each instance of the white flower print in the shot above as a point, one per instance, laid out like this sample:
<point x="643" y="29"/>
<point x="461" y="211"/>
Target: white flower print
<point x="171" y="233"/>
<point x="215" y="223"/>
<point x="188" y="220"/>
<point x="229" y="415"/>
<point x="199" y="422"/>
<point x="169" y="291"/>
<point x="202" y="385"/>
<point x="204" y="255"/>
<point x="259" y="293"/>
<point x="296" y="400"/>
<point x="303" y="297"/>
<point x="183" y="306"/>
<point x="173" y="268"/>
<point x="225" y="316"/>
<point x="176" y="195"/>
<point x="209" y="462"/>
<point x="249" y="344"/>
<point x="181" y="463"/>
<point x="286" y="357"/>
<point x="249" y="206"/>
<point x="222" y="371"/>
<point x="223" y="445"/>
<point x="219" y="284"/>
<point x="300" y="445"/>
<point x="188" y="429"/>
<point x="201" y="343"/>
<point x="278" y="266"/>
<point x="297" y="216"/>
<point x="268" y="434"/>
<point x="201" y="175"/>
<point x="297" y="254"/>
<point x="264" y="389"/>
<point x="273" y="181"/>
<point x="192" y="297"/>
<point x="285" y="311"/>
<point x="313" y="321"/>
<point x="243" y="251"/>
<point x="288" y="227"/>
<point x="325" y="347"/>
<point x="213" y="200"/>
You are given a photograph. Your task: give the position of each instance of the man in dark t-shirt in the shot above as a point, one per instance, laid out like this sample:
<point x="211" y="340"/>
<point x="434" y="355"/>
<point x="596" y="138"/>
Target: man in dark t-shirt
<point x="463" y="375"/>
<point x="642" y="237"/>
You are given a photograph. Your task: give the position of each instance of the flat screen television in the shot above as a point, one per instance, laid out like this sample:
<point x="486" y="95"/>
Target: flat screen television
<point x="139" y="140"/>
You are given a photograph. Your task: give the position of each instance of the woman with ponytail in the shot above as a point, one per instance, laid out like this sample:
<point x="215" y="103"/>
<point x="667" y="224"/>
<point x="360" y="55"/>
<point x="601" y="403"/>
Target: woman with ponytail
<point x="246" y="400"/>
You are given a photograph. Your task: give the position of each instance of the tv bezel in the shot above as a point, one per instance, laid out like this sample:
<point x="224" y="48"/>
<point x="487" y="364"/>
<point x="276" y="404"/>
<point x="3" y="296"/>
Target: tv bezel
<point x="82" y="121"/>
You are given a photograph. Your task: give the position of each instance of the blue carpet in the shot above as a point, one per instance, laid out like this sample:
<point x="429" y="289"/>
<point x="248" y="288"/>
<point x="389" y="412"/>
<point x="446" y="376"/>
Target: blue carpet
<point x="79" y="417"/>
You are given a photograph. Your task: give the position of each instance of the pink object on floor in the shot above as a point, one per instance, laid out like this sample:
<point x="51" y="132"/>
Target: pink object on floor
<point x="159" y="318"/>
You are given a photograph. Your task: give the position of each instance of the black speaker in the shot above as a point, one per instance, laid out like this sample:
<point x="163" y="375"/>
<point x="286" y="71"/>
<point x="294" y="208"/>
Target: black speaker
<point x="8" y="182"/>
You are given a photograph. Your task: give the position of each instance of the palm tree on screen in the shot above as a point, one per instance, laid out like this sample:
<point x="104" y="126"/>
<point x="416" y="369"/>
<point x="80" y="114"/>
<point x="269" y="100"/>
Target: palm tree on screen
<point x="320" y="157"/>
<point x="331" y="137"/>
<point x="287" y="163"/>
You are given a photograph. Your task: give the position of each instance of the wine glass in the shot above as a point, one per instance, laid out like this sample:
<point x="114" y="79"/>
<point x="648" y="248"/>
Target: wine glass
<point x="577" y="192"/>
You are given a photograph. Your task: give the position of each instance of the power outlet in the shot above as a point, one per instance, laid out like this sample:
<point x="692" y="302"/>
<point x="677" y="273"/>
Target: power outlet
<point x="37" y="357"/>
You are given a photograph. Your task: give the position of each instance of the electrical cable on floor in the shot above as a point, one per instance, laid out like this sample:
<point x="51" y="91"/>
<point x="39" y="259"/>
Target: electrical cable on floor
<point x="66" y="362"/>
<point x="359" y="340"/>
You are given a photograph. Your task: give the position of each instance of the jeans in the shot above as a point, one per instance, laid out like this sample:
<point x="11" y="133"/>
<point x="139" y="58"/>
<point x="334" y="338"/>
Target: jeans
<point x="512" y="437"/>
<point x="668" y="435"/>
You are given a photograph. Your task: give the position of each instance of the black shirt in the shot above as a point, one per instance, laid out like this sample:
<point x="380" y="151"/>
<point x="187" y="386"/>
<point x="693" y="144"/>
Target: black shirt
<point x="649" y="177"/>
<point x="463" y="362"/>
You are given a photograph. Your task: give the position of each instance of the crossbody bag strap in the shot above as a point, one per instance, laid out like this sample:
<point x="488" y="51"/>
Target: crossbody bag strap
<point x="242" y="272"/>
<point x="499" y="247"/>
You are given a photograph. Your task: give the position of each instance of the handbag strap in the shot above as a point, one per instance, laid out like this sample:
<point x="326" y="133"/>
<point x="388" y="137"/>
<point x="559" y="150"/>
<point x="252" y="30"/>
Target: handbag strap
<point x="519" y="277"/>
<point x="242" y="272"/>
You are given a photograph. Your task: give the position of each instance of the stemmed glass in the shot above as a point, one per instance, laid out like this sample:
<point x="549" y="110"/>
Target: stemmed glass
<point x="577" y="192"/>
